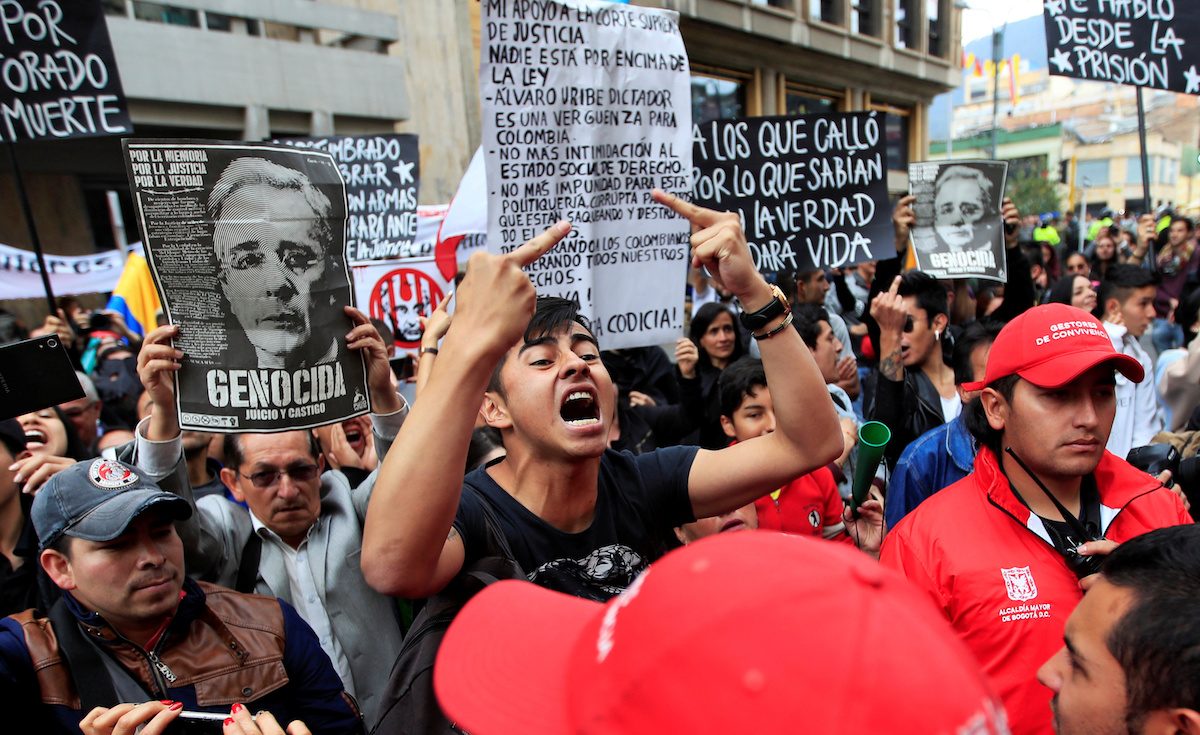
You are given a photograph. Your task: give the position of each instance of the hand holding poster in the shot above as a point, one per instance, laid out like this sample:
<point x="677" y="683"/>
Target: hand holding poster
<point x="59" y="75"/>
<point x="400" y="293"/>
<point x="585" y="111"/>
<point x="382" y="173"/>
<point x="1138" y="42"/>
<point x="811" y="190"/>
<point x="958" y="231"/>
<point x="246" y="244"/>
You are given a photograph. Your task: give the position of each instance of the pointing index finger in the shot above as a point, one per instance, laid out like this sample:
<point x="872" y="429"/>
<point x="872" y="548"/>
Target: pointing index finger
<point x="540" y="245"/>
<point x="698" y="216"/>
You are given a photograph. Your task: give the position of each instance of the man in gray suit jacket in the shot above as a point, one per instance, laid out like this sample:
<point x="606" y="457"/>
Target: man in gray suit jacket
<point x="304" y="525"/>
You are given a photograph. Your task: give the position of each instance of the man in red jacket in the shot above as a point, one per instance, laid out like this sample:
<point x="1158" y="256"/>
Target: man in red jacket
<point x="1002" y="552"/>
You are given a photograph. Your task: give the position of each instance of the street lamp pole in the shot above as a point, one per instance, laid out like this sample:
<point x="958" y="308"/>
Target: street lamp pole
<point x="997" y="54"/>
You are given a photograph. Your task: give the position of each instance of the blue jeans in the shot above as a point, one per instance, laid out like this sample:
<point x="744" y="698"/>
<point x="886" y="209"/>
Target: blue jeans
<point x="1166" y="335"/>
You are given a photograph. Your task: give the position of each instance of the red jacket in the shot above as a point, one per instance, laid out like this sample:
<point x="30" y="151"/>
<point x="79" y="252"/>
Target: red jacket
<point x="987" y="564"/>
<point x="807" y="506"/>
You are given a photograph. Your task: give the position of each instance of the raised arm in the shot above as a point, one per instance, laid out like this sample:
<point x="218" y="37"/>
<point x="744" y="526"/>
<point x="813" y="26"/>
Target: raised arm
<point x="807" y="435"/>
<point x="408" y="547"/>
<point x="432" y="331"/>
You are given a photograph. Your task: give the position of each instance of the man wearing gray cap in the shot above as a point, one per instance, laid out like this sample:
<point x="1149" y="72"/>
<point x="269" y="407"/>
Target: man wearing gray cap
<point x="130" y="627"/>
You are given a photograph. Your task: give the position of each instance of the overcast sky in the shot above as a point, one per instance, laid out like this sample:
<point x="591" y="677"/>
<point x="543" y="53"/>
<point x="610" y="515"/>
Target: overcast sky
<point x="984" y="14"/>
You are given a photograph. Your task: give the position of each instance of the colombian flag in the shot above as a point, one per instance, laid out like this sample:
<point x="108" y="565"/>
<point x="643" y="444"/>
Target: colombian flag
<point x="135" y="297"/>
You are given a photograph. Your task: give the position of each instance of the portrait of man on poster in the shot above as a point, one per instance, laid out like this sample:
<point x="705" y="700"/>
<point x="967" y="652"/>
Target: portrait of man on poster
<point x="280" y="263"/>
<point x="966" y="215"/>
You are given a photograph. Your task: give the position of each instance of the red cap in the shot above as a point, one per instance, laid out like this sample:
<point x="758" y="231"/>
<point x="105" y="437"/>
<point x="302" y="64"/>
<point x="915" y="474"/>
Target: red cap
<point x="1051" y="345"/>
<point x="738" y="632"/>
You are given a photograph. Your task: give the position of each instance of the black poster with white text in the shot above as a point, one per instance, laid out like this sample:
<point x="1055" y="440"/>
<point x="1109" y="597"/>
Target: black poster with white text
<point x="1145" y="43"/>
<point x="811" y="190"/>
<point x="247" y="247"/>
<point x="58" y="75"/>
<point x="382" y="173"/>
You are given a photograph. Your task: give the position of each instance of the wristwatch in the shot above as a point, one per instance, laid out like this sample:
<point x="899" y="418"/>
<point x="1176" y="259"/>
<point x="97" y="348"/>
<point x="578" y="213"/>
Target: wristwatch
<point x="776" y="307"/>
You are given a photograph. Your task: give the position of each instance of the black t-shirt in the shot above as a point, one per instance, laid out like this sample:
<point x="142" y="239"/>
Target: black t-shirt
<point x="1063" y="536"/>
<point x="639" y="501"/>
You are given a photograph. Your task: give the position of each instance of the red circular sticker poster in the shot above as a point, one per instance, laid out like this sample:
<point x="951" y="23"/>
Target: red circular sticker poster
<point x="400" y="298"/>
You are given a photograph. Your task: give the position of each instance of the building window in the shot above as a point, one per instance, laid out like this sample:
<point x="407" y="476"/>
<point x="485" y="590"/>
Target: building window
<point x="937" y="46"/>
<point x="156" y="13"/>
<point x="781" y="4"/>
<point x="828" y="11"/>
<point x="1133" y="169"/>
<point x="897" y="134"/>
<point x="1170" y="173"/>
<point x="864" y="17"/>
<point x="718" y="94"/>
<point x="905" y="18"/>
<point x="1096" y="172"/>
<point x="800" y="99"/>
<point x="218" y="22"/>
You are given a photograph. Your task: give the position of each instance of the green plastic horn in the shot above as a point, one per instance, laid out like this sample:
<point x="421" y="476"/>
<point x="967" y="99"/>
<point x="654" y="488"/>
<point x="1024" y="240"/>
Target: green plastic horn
<point x="873" y="436"/>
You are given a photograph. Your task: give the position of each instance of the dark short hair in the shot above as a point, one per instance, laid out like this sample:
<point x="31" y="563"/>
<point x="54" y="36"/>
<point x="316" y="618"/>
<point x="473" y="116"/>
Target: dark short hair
<point x="1187" y="314"/>
<point x="552" y="316"/>
<point x="703" y="318"/>
<point x="1121" y="280"/>
<point x="62" y="545"/>
<point x="797" y="277"/>
<point x="1185" y="220"/>
<point x="976" y="333"/>
<point x="807" y="319"/>
<point x="975" y="418"/>
<point x="235" y="453"/>
<point x="385" y="332"/>
<point x="740" y="379"/>
<point x="1157" y="640"/>
<point x="931" y="295"/>
<point x="484" y="440"/>
<point x="1033" y="253"/>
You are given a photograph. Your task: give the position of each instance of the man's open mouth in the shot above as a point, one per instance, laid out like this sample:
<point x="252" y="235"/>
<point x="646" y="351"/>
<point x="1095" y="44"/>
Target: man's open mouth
<point x="580" y="409"/>
<point x="354" y="435"/>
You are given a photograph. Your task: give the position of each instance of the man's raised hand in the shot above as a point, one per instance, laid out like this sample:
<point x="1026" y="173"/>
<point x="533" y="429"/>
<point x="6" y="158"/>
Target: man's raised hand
<point x="157" y="361"/>
<point x="366" y="338"/>
<point x="903" y="218"/>
<point x="719" y="244"/>
<point x="496" y="298"/>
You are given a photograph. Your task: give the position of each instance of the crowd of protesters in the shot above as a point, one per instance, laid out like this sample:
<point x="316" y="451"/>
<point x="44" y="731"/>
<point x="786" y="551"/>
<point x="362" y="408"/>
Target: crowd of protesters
<point x="288" y="573"/>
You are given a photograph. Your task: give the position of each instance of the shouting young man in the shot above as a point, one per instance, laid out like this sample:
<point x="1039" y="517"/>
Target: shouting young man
<point x="578" y="518"/>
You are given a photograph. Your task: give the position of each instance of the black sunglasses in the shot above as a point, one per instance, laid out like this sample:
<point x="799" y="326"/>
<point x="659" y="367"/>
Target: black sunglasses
<point x="908" y="324"/>
<point x="267" y="478"/>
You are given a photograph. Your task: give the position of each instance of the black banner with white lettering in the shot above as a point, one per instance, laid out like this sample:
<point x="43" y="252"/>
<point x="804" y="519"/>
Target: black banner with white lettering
<point x="58" y="75"/>
<point x="811" y="190"/>
<point x="1138" y="42"/>
<point x="382" y="173"/>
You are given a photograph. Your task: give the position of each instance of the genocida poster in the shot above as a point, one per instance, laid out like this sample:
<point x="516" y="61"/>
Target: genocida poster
<point x="247" y="247"/>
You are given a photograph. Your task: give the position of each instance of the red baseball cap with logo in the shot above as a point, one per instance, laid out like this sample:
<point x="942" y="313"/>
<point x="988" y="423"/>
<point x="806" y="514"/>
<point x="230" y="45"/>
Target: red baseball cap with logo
<point x="738" y="632"/>
<point x="1051" y="345"/>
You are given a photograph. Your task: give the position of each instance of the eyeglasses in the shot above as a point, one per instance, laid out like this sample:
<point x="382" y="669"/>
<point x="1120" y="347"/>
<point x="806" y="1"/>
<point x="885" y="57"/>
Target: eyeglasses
<point x="267" y="478"/>
<point x="73" y="412"/>
<point x="908" y="324"/>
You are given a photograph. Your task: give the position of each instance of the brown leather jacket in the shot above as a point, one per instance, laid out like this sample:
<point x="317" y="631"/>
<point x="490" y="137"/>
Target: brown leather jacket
<point x="233" y="652"/>
<point x="220" y="647"/>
